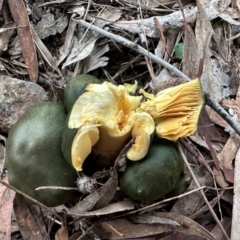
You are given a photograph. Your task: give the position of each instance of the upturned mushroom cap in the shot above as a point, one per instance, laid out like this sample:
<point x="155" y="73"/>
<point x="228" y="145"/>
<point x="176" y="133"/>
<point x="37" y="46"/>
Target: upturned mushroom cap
<point x="175" y="110"/>
<point x="105" y="116"/>
<point x="34" y="157"/>
<point x="74" y="88"/>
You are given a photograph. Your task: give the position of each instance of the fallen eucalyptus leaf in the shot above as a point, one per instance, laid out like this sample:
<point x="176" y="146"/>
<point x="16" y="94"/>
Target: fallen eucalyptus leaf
<point x="111" y="208"/>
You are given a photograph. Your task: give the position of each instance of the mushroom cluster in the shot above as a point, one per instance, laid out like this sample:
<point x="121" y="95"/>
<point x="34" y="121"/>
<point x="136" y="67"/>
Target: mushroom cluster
<point x="106" y="116"/>
<point x="99" y="119"/>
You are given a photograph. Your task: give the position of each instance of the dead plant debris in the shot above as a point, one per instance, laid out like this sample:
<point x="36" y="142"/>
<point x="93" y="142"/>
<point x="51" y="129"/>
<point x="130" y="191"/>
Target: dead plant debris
<point x="44" y="44"/>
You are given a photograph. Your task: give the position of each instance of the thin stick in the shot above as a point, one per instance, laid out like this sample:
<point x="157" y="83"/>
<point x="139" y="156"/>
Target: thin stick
<point x="57" y="188"/>
<point x="135" y="47"/>
<point x="202" y="193"/>
<point x="160" y="28"/>
<point x="218" y="108"/>
<point x="155" y="205"/>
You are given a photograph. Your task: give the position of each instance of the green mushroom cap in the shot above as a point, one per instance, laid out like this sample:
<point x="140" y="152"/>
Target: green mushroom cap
<point x="34" y="157"/>
<point x="76" y="87"/>
<point x="155" y="175"/>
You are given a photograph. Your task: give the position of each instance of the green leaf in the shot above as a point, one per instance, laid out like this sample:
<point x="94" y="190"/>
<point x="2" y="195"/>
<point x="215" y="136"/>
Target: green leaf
<point x="179" y="50"/>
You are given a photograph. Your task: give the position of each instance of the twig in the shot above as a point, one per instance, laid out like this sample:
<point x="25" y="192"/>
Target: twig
<point x="135" y="47"/>
<point x="143" y="39"/>
<point x="202" y="193"/>
<point x="218" y="108"/>
<point x="87" y="10"/>
<point x="57" y="188"/>
<point x="160" y="28"/>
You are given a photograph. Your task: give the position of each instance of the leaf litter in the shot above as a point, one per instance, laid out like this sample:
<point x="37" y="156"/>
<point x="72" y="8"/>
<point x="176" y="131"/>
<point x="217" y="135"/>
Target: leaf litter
<point x="50" y="46"/>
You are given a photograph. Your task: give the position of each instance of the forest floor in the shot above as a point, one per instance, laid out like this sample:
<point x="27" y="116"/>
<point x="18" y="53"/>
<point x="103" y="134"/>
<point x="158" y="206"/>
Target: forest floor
<point x="158" y="44"/>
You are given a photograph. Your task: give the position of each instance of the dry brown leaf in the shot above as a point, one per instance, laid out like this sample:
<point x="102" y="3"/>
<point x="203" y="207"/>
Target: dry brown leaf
<point x="208" y="131"/>
<point x="19" y="14"/>
<point x="6" y="208"/>
<point x="188" y="226"/>
<point x="50" y="26"/>
<point x="27" y="225"/>
<point x="189" y="204"/>
<point x="229" y="151"/>
<point x="191" y="59"/>
<point x="228" y="174"/>
<point x="220" y="178"/>
<point x="62" y="234"/>
<point x="203" y="32"/>
<point x="216" y="231"/>
<point x="232" y="104"/>
<point x="108" y="15"/>
<point x="124" y="229"/>
<point x="111" y="208"/>
<point x="150" y="219"/>
<point x="216" y="118"/>
<point x="46" y="54"/>
<point x="204" y="209"/>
